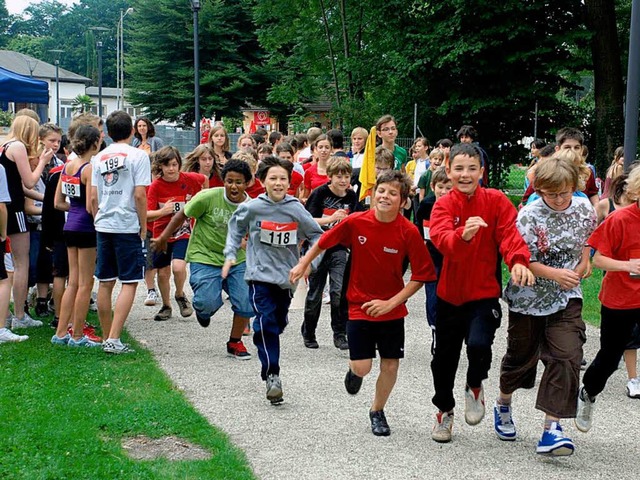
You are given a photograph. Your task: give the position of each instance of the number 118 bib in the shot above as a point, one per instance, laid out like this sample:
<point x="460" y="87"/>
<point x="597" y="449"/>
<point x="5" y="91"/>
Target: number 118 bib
<point x="279" y="234"/>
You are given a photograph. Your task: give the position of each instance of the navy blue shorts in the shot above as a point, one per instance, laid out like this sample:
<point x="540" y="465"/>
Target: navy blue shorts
<point x="364" y="336"/>
<point x="120" y="256"/>
<point x="175" y="251"/>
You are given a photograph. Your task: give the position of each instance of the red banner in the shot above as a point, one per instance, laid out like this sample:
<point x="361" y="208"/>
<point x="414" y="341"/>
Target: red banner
<point x="261" y="117"/>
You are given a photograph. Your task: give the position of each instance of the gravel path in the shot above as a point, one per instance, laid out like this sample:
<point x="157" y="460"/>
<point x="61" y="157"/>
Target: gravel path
<point x="320" y="432"/>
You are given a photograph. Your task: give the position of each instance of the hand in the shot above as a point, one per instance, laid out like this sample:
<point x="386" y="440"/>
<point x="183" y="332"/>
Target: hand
<point x="376" y="308"/>
<point x="584" y="270"/>
<point x="168" y="208"/>
<point x="472" y="227"/>
<point x="522" y="276"/>
<point x="634" y="266"/>
<point x="226" y="267"/>
<point x="46" y="155"/>
<point x="159" y="244"/>
<point x="143" y="234"/>
<point x="338" y="215"/>
<point x="567" y="279"/>
<point x="297" y="272"/>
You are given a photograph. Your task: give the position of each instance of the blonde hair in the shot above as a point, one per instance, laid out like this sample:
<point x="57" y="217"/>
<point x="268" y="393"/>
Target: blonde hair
<point x="246" y="135"/>
<point x="554" y="173"/>
<point x="192" y="160"/>
<point x="575" y="158"/>
<point x="25" y="129"/>
<point x="361" y="132"/>
<point x="338" y="166"/>
<point x="436" y="153"/>
<point x="614" y="169"/>
<point x="247" y="158"/>
<point x="384" y="156"/>
<point x="633" y="184"/>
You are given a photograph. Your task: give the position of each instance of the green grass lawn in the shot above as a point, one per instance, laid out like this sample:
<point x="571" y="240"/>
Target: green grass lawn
<point x="66" y="411"/>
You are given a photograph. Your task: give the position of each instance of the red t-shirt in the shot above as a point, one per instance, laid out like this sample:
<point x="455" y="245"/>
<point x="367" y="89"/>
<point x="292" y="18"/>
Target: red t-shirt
<point x="256" y="189"/>
<point x="179" y="192"/>
<point x="469" y="268"/>
<point x="377" y="252"/>
<point x="296" y="180"/>
<point x="618" y="238"/>
<point x="312" y="179"/>
<point x="215" y="181"/>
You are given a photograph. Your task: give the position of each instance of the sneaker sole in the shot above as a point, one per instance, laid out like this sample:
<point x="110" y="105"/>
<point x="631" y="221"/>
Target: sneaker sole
<point x="473" y="422"/>
<point x="150" y="303"/>
<point x="582" y="428"/>
<point x="246" y="357"/>
<point x="632" y="396"/>
<point x="274" y="395"/>
<point x="440" y="440"/>
<point x="506" y="437"/>
<point x="556" y="451"/>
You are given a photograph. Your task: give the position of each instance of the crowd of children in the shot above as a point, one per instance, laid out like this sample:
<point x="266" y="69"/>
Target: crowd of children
<point x="303" y="208"/>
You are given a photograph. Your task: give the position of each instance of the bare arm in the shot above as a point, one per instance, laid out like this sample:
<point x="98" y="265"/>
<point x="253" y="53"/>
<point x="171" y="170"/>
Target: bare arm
<point x="376" y="308"/>
<point x="30" y="193"/>
<point x="3" y="221"/>
<point x="94" y="200"/>
<point x="60" y="201"/>
<point x="140" y="198"/>
<point x="612" y="265"/>
<point x="18" y="153"/>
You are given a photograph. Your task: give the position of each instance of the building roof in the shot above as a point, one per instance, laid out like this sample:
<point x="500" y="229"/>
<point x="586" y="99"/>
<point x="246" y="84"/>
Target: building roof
<point x="106" y="91"/>
<point x="32" y="67"/>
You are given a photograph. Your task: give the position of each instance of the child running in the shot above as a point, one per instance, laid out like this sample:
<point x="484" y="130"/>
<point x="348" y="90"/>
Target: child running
<point x="275" y="222"/>
<point x="470" y="226"/>
<point x="212" y="210"/>
<point x="545" y="320"/>
<point x="168" y="194"/>
<point x="617" y="246"/>
<point x="380" y="240"/>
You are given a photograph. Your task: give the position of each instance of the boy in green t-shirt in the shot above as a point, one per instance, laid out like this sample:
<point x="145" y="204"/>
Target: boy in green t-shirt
<point x="388" y="132"/>
<point x="212" y="210"/>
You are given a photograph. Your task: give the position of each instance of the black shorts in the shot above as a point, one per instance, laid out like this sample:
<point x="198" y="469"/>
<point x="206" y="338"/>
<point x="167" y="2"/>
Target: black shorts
<point x="634" y="343"/>
<point x="16" y="222"/>
<point x="80" y="239"/>
<point x="60" y="260"/>
<point x="3" y="270"/>
<point x="364" y="336"/>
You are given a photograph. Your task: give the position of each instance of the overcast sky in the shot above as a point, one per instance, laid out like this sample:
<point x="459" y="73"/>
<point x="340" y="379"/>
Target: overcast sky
<point x="17" y="6"/>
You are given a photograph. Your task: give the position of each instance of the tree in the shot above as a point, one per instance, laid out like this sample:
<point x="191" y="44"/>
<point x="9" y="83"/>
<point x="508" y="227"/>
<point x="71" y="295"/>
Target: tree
<point x="82" y="103"/>
<point x="5" y="23"/>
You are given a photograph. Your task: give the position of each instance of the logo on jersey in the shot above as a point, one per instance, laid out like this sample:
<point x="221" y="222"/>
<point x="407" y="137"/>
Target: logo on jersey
<point x="389" y="250"/>
<point x="456" y="221"/>
<point x="110" y="178"/>
<point x="362" y="239"/>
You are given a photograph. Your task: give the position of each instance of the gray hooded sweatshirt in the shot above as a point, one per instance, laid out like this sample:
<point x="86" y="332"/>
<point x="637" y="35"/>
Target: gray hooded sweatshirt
<point x="275" y="230"/>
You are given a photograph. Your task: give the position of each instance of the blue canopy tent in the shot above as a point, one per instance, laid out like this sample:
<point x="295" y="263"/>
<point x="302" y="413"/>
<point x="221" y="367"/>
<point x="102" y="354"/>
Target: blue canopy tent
<point x="20" y="89"/>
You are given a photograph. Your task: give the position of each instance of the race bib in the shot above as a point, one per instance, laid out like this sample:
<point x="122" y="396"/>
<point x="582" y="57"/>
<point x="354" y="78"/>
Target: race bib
<point x="425" y="228"/>
<point x="111" y="163"/>
<point x="279" y="234"/>
<point x="71" y="186"/>
<point x="177" y="204"/>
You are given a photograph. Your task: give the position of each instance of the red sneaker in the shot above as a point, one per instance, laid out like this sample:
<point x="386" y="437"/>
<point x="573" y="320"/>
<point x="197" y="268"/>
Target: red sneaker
<point x="88" y="331"/>
<point x="238" y="350"/>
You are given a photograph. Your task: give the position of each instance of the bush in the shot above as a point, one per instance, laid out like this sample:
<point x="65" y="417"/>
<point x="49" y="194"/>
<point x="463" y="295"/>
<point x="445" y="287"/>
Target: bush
<point x="5" y="118"/>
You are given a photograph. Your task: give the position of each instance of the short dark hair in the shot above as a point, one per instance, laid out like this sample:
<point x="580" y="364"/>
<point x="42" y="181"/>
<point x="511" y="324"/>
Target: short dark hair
<point x="119" y="125"/>
<point x="337" y="138"/>
<point x="162" y="157"/>
<point x="445" y="142"/>
<point x="547" y="150"/>
<point x="538" y="143"/>
<point x="274" y="137"/>
<point x="467" y="131"/>
<point x="569" y="133"/>
<point x="270" y="162"/>
<point x="465" y="149"/>
<point x="237" y="166"/>
<point x="395" y="176"/>
<point x="259" y="139"/>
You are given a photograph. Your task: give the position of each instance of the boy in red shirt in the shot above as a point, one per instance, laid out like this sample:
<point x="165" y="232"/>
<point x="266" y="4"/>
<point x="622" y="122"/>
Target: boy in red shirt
<point x="617" y="246"/>
<point x="470" y="226"/>
<point x="167" y="195"/>
<point x="379" y="240"/>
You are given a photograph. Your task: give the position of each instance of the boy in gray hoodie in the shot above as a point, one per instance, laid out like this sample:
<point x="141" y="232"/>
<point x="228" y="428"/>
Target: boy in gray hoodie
<point x="276" y="223"/>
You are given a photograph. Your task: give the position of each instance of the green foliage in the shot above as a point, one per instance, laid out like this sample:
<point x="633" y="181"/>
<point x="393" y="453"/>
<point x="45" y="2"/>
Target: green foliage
<point x="5" y="118"/>
<point x="82" y="103"/>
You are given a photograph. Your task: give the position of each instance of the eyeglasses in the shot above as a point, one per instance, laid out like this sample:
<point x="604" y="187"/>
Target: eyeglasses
<point x="382" y="169"/>
<point x="554" y="196"/>
<point x="388" y="129"/>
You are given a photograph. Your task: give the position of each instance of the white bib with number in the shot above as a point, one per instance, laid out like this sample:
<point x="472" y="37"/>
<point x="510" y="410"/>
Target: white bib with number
<point x="279" y="234"/>
<point x="71" y="186"/>
<point x="425" y="228"/>
<point x="111" y="163"/>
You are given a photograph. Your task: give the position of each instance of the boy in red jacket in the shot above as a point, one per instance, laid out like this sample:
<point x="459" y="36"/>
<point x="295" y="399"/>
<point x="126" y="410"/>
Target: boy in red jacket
<point x="379" y="240"/>
<point x="470" y="226"/>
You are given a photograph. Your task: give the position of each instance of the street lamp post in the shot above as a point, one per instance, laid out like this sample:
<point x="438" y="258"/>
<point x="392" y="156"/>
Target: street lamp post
<point x="195" y="6"/>
<point x="57" y="54"/>
<point x="99" y="49"/>
<point x="120" y="59"/>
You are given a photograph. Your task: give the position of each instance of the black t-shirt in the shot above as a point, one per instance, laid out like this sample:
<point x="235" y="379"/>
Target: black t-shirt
<point x="323" y="203"/>
<point x="424" y="213"/>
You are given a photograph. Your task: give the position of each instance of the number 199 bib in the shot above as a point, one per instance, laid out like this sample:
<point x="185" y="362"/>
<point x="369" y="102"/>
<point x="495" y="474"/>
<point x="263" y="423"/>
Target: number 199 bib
<point x="111" y="163"/>
<point x="279" y="234"/>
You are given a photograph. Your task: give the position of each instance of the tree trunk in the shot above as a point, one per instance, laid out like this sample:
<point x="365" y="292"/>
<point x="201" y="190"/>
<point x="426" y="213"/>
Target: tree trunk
<point x="607" y="75"/>
<point x="331" y="55"/>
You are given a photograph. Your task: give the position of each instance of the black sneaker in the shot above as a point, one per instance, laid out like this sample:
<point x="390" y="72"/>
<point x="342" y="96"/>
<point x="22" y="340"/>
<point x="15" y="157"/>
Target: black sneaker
<point x="352" y="382"/>
<point x="203" y="321"/>
<point x="41" y="310"/>
<point x="379" y="425"/>
<point x="54" y="323"/>
<point x="310" y="342"/>
<point x="340" y="341"/>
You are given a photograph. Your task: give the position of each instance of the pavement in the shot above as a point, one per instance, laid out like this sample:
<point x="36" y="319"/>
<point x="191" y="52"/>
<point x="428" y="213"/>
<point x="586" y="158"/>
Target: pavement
<point x="321" y="432"/>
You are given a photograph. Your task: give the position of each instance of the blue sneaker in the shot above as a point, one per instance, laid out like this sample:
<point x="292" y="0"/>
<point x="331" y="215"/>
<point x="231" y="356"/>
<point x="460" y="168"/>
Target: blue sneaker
<point x="56" y="340"/>
<point x="83" y="342"/>
<point x="553" y="442"/>
<point x="503" y="422"/>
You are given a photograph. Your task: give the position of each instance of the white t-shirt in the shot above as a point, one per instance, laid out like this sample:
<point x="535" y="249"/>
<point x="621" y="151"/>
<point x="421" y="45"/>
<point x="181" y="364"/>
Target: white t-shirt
<point x="356" y="161"/>
<point x="421" y="167"/>
<point x="117" y="170"/>
<point x="304" y="154"/>
<point x="4" y="186"/>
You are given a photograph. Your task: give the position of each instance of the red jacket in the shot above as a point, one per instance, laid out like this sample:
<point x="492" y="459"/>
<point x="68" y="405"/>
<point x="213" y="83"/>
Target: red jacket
<point x="469" y="268"/>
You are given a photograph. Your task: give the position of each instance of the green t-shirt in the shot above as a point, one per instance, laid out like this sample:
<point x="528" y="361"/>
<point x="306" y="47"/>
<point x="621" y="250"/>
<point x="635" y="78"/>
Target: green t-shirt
<point x="212" y="212"/>
<point x="425" y="182"/>
<point x="400" y="157"/>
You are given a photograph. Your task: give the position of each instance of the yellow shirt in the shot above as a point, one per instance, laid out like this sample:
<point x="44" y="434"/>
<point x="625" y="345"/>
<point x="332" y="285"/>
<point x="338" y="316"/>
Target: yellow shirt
<point x="410" y="167"/>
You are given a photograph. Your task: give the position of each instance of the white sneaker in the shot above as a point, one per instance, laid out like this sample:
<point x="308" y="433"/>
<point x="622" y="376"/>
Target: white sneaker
<point x="7" y="336"/>
<point x="117" y="348"/>
<point x="633" y="388"/>
<point x="473" y="406"/>
<point x="25" y="322"/>
<point x="152" y="298"/>
<point x="93" y="302"/>
<point x="584" y="412"/>
<point x="443" y="427"/>
<point x="10" y="319"/>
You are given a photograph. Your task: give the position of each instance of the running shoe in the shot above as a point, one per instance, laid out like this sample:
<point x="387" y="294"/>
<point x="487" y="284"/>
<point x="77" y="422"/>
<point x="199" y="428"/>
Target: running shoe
<point x="163" y="314"/>
<point x="203" y="321"/>
<point x="584" y="412"/>
<point x="83" y="342"/>
<point x="7" y="336"/>
<point x="238" y="350"/>
<point x="10" y="319"/>
<point x="41" y="309"/>
<point x="340" y="342"/>
<point x="185" y="306"/>
<point x="56" y="340"/>
<point x="25" y="322"/>
<point x="503" y="422"/>
<point x="473" y="406"/>
<point x="352" y="382"/>
<point x="274" y="389"/>
<point x="633" y="388"/>
<point x="93" y="302"/>
<point x="117" y="348"/>
<point x="152" y="298"/>
<point x="553" y="442"/>
<point x="442" y="429"/>
<point x="379" y="425"/>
